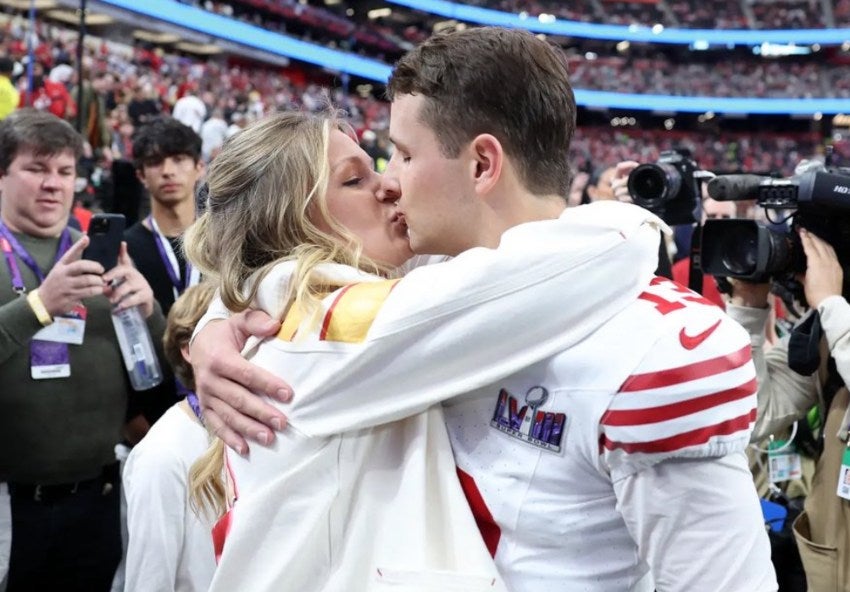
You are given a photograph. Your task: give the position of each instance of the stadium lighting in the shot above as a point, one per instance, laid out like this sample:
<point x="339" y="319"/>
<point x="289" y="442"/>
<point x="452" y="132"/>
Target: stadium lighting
<point x="637" y="33"/>
<point x="250" y="36"/>
<point x="377" y="13"/>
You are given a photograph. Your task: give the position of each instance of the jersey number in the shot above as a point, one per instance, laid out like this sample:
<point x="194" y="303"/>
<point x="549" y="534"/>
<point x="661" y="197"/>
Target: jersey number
<point x="668" y="296"/>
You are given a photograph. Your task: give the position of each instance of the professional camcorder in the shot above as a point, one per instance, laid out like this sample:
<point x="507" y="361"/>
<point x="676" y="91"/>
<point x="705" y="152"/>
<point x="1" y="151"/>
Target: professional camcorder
<point x="668" y="188"/>
<point x="816" y="199"/>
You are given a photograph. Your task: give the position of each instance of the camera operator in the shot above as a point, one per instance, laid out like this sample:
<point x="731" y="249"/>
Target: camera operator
<point x="823" y="529"/>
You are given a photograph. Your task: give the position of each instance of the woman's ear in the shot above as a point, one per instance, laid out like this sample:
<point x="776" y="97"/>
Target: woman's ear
<point x="184" y="351"/>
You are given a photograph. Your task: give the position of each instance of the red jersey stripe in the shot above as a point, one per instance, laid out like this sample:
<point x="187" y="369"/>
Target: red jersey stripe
<point x="219" y="532"/>
<point x="693" y="438"/>
<point x="625" y="417"/>
<point x="490" y="531"/>
<point x="695" y="371"/>
<point x="222" y="526"/>
<point x="329" y="315"/>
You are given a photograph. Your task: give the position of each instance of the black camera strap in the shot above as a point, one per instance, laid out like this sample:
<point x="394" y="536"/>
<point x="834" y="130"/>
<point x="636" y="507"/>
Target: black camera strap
<point x="695" y="269"/>
<point x="804" y="345"/>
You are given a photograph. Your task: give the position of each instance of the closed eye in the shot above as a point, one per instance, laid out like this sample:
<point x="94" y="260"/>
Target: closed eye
<point x="353" y="182"/>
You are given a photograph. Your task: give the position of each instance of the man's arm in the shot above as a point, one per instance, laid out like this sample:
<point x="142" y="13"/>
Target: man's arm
<point x="673" y="440"/>
<point x="70" y="280"/>
<point x="783" y="395"/>
<point x="444" y="331"/>
<point x="698" y="525"/>
<point x="225" y="382"/>
<point x="387" y="350"/>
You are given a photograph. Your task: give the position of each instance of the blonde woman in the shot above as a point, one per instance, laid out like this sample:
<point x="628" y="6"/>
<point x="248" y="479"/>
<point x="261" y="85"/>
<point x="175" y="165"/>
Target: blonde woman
<point x="360" y="492"/>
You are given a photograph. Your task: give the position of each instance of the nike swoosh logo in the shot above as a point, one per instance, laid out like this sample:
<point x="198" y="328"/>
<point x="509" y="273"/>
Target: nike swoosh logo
<point x="693" y="341"/>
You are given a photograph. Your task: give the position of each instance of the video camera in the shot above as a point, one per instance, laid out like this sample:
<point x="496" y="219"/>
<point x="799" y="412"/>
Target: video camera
<point x="817" y="200"/>
<point x="668" y="188"/>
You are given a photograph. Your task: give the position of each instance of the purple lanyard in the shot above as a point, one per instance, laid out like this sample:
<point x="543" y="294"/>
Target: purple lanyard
<point x="169" y="260"/>
<point x="191" y="399"/>
<point x="12" y="247"/>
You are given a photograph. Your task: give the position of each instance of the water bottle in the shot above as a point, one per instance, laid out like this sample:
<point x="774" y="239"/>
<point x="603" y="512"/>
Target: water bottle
<point x="137" y="348"/>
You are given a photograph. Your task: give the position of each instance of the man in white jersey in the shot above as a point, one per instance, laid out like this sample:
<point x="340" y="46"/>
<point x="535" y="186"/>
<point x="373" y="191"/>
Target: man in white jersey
<point x="615" y="465"/>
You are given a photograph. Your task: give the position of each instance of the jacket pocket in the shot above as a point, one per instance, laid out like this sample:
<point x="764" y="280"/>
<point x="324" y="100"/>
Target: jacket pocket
<point x="819" y="561"/>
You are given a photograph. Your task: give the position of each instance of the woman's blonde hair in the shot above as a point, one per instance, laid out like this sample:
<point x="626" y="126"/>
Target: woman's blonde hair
<point x="265" y="189"/>
<point x="182" y="318"/>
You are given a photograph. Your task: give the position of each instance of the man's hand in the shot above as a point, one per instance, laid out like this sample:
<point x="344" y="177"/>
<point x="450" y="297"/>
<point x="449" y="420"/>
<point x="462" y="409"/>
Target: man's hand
<point x="225" y="382"/>
<point x="619" y="184"/>
<point x="71" y="280"/>
<point x="749" y="294"/>
<point x="824" y="276"/>
<point x="126" y="287"/>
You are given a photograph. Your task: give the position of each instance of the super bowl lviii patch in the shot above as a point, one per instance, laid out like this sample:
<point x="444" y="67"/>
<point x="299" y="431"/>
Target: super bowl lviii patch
<point x="527" y="422"/>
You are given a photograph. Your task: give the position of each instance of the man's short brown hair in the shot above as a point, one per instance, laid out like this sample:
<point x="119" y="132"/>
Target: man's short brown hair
<point x="503" y="82"/>
<point x="39" y="131"/>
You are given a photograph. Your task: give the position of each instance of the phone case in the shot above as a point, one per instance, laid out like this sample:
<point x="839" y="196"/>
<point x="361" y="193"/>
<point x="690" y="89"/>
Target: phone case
<point x="106" y="231"/>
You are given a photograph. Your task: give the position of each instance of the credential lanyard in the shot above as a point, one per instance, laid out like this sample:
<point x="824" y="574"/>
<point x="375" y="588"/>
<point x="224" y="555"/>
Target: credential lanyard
<point x="11" y="247"/>
<point x="169" y="259"/>
<point x="191" y="399"/>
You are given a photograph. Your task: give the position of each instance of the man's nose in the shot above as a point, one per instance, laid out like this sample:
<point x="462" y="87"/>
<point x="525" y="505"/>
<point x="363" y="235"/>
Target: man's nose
<point x="168" y="167"/>
<point x="52" y="180"/>
<point x="389" y="190"/>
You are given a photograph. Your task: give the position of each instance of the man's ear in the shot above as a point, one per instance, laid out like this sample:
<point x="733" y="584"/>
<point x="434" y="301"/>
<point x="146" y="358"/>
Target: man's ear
<point x="140" y="175"/>
<point x="488" y="159"/>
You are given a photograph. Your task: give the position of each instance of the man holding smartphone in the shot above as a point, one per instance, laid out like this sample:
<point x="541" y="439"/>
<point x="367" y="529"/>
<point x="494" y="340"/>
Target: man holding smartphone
<point x="65" y="389"/>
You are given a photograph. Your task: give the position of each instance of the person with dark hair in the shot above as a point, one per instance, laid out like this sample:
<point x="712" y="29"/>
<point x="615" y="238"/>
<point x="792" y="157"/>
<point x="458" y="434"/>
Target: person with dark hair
<point x="142" y="108"/>
<point x="615" y="464"/>
<point x="9" y="96"/>
<point x="599" y="185"/>
<point x="167" y="157"/>
<point x="810" y="367"/>
<point x="65" y="388"/>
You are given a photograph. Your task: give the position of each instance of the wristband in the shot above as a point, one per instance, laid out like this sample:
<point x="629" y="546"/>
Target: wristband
<point x="37" y="306"/>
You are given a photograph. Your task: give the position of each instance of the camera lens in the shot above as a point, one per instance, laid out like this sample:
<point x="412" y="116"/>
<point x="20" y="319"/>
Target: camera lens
<point x="740" y="250"/>
<point x="652" y="184"/>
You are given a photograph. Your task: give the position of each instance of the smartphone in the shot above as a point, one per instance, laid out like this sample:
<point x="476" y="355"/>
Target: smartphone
<point x="106" y="231"/>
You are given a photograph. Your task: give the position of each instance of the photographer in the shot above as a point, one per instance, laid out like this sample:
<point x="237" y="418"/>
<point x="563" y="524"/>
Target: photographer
<point x="823" y="529"/>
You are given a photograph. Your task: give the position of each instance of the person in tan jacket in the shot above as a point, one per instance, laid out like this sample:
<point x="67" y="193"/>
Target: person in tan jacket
<point x="823" y="529"/>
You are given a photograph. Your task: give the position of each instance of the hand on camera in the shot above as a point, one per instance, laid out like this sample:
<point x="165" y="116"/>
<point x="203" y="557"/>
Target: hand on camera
<point x="620" y="183"/>
<point x="749" y="294"/>
<point x="824" y="276"/>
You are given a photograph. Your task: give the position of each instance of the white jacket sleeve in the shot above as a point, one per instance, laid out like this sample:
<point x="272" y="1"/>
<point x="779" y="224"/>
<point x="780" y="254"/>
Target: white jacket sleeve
<point x="449" y="328"/>
<point x="692" y="528"/>
<point x="835" y="319"/>
<point x="216" y="311"/>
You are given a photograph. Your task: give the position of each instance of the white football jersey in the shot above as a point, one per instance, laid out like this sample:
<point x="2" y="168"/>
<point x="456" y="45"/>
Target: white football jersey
<point x="538" y="453"/>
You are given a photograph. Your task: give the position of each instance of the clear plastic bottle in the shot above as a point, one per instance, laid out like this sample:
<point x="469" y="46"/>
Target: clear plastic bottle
<point x="137" y="348"/>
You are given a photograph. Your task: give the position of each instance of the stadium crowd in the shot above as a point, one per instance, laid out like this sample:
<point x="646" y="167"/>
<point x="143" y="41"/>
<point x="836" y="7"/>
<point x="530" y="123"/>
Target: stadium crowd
<point x="643" y="69"/>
